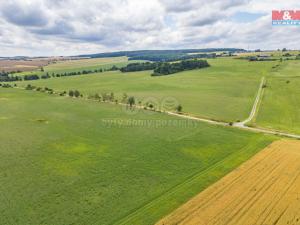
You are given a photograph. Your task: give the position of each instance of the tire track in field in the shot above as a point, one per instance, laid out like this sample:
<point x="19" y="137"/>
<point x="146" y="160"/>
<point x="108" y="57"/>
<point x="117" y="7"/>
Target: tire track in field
<point x="215" y="196"/>
<point x="276" y="202"/>
<point x="252" y="202"/>
<point x="239" y="204"/>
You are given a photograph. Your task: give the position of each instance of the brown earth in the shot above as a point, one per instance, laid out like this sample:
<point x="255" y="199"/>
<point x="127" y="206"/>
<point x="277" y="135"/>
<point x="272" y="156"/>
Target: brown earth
<point x="30" y="64"/>
<point x="21" y="65"/>
<point x="264" y="190"/>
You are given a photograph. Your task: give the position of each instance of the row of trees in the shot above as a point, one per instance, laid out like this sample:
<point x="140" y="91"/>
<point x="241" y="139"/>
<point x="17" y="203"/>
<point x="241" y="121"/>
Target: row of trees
<point x="170" y="68"/>
<point x="110" y="97"/>
<point x="8" y="77"/>
<point x="104" y="97"/>
<point x="83" y="72"/>
<point x="6" y="85"/>
<point x="71" y="93"/>
<point x="41" y="89"/>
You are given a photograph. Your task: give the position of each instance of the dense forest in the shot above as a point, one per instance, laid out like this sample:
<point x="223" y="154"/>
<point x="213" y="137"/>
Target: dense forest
<point x="170" y="68"/>
<point x="132" y="67"/>
<point x="166" y="67"/>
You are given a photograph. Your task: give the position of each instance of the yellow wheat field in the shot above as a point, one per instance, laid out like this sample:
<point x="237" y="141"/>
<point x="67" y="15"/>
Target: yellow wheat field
<point x="264" y="190"/>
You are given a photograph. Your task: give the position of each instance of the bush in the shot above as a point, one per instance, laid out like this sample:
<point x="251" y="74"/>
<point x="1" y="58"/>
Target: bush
<point x="29" y="87"/>
<point x="179" y="108"/>
<point x="76" y="93"/>
<point x="71" y="93"/>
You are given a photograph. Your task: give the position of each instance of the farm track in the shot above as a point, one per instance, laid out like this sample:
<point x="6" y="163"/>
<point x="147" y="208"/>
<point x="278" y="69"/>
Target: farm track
<point x="243" y="125"/>
<point x="256" y="103"/>
<point x="264" y="190"/>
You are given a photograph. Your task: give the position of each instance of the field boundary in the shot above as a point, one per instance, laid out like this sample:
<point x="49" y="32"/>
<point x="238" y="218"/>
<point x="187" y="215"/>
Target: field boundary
<point x="177" y="188"/>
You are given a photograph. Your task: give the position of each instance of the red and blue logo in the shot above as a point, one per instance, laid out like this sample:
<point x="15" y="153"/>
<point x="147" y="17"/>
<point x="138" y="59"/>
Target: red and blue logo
<point x="286" y="17"/>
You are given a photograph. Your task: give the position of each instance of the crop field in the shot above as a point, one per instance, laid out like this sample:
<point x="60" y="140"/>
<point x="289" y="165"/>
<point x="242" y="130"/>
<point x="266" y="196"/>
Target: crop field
<point x="225" y="91"/>
<point x="264" y="190"/>
<point x="149" y="112"/>
<point x="65" y="161"/>
<point x="280" y="106"/>
<point x="79" y="65"/>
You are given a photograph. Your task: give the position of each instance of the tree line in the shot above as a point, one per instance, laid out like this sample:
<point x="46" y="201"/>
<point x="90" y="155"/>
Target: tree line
<point x="160" y="68"/>
<point x="172" y="57"/>
<point x="130" y="101"/>
<point x="8" y="77"/>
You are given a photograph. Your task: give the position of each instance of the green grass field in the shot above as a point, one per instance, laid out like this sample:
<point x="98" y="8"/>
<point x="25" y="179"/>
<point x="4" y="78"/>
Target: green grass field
<point x="61" y="163"/>
<point x="225" y="91"/>
<point x="280" y="106"/>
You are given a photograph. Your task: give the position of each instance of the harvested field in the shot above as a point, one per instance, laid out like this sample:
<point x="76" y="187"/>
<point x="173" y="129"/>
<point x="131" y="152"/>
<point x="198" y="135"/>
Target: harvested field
<point x="22" y="65"/>
<point x="264" y="190"/>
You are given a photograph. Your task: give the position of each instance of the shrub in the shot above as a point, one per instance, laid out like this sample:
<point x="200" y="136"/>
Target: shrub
<point x="76" y="93"/>
<point x="71" y="93"/>
<point x="179" y="108"/>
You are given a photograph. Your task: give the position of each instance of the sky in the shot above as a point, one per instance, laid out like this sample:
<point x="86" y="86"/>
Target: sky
<point x="72" y="27"/>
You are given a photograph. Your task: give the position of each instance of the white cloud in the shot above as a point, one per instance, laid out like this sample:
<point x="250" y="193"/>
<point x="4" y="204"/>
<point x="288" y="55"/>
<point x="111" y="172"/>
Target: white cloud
<point x="56" y="27"/>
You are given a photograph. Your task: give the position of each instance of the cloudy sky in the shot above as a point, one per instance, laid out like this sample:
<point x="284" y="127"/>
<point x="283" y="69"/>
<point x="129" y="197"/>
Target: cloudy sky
<point x="69" y="27"/>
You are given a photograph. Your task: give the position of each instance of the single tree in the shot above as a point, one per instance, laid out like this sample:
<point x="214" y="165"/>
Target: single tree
<point x="76" y="93"/>
<point x="111" y="97"/>
<point x="131" y="101"/>
<point x="71" y="93"/>
<point x="179" y="108"/>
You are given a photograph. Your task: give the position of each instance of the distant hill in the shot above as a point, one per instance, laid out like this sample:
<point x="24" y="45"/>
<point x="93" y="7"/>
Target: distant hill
<point x="163" y="55"/>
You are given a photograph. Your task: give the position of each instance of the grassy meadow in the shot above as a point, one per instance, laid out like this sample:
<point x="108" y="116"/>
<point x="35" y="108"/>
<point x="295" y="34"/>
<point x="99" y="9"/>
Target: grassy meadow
<point x="225" y="91"/>
<point x="61" y="162"/>
<point x="280" y="106"/>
